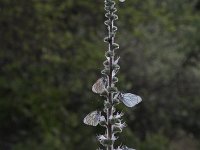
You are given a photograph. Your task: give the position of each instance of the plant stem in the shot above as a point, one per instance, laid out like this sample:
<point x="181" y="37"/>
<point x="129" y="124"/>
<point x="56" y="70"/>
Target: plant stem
<point x="110" y="95"/>
<point x="110" y="111"/>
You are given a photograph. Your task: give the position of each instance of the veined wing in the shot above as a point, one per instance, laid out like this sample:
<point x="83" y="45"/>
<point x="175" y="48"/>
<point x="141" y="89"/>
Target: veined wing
<point x="92" y="118"/>
<point x="130" y="100"/>
<point x="99" y="86"/>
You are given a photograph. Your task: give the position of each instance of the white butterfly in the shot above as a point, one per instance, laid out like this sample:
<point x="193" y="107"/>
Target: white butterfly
<point x="129" y="99"/>
<point x="99" y="86"/>
<point x="92" y="118"/>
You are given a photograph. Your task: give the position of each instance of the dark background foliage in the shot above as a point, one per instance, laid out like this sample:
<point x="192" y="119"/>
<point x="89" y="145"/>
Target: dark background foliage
<point x="51" y="52"/>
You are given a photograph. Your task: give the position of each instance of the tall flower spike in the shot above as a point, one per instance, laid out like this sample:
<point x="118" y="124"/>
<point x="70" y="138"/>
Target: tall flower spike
<point x="105" y="86"/>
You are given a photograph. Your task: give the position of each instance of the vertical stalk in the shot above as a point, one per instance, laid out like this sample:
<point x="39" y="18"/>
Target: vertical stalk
<point x="110" y="99"/>
<point x="105" y="86"/>
<point x="110" y="95"/>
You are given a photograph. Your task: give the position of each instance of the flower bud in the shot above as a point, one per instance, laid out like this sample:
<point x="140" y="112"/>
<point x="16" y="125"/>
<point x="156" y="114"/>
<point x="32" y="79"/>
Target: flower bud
<point x="105" y="71"/>
<point x="114" y="120"/>
<point x="115" y="67"/>
<point x="104" y="93"/>
<point x="106" y="63"/>
<point x="118" y="127"/>
<point x="102" y="121"/>
<point x="107" y="104"/>
<point x="112" y="89"/>
<point x="114" y="79"/>
<point x="109" y="54"/>
<point x="113" y="109"/>
<point x="119" y="115"/>
<point x="117" y="130"/>
<point x="116" y="101"/>
<point x="105" y="141"/>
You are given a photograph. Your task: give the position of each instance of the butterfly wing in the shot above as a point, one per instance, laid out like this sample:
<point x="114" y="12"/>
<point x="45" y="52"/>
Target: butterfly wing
<point x="92" y="118"/>
<point x="130" y="100"/>
<point x="99" y="86"/>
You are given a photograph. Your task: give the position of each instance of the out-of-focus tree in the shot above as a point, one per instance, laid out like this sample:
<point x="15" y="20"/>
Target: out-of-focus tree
<point x="49" y="51"/>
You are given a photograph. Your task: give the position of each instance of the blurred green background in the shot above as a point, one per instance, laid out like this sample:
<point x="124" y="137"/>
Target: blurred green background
<point x="51" y="53"/>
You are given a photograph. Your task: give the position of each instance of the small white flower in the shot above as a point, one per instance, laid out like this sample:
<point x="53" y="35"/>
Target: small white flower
<point x="120" y="125"/>
<point x="114" y="138"/>
<point x="118" y="148"/>
<point x="113" y="109"/>
<point x="126" y="148"/>
<point x="101" y="137"/>
<point x="116" y="96"/>
<point x="111" y="117"/>
<point x="119" y="115"/>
